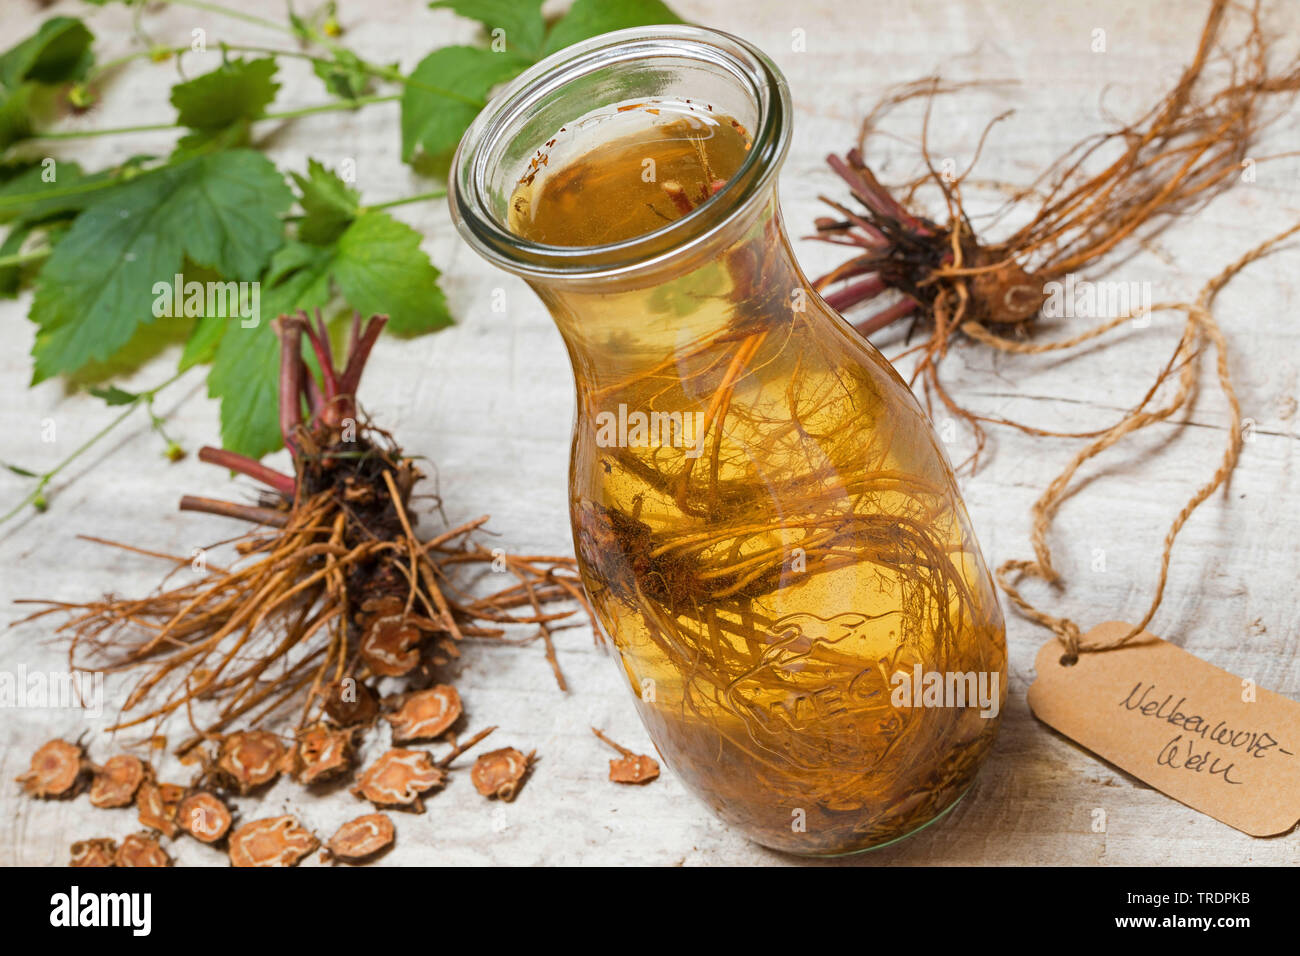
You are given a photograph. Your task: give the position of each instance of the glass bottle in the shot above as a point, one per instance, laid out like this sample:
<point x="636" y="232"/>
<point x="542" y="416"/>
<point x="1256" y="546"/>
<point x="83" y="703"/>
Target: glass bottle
<point x="766" y="524"/>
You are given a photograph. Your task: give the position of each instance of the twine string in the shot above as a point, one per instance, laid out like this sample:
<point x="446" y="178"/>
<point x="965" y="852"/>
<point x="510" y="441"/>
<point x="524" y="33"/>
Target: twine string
<point x="1201" y="328"/>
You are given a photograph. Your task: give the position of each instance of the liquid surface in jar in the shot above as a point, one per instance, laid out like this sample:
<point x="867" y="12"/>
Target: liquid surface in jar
<point x="632" y="184"/>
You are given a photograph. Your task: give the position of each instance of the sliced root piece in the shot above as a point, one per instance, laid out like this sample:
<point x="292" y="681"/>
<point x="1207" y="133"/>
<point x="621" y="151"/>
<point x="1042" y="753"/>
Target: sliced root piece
<point x="351" y="703"/>
<point x="115" y="784"/>
<point x="204" y="817"/>
<point x="157" y="804"/>
<point x="57" y="770"/>
<point x="360" y="839"/>
<point x="426" y="714"/>
<point x="142" y="849"/>
<point x="631" y="767"/>
<point x="501" y="773"/>
<point x="275" y="841"/>
<point x="322" y="753"/>
<point x="637" y="768"/>
<point x="391" y="645"/>
<point x="251" y="758"/>
<point x="98" y="852"/>
<point x="399" y="778"/>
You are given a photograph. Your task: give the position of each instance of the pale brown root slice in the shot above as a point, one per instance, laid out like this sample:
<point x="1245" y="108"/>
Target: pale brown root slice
<point x="204" y="817"/>
<point x="631" y="767"/>
<point x="157" y="805"/>
<point x="425" y="714"/>
<point x="399" y="778"/>
<point x="115" y="784"/>
<point x="360" y="839"/>
<point x="143" y="850"/>
<point x="275" y="841"/>
<point x="57" y="769"/>
<point x="100" y="851"/>
<point x="500" y="773"/>
<point x="322" y="753"/>
<point x="251" y="758"/>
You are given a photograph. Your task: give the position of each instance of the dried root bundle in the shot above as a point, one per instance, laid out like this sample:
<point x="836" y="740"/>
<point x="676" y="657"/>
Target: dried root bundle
<point x="1181" y="153"/>
<point x="332" y="591"/>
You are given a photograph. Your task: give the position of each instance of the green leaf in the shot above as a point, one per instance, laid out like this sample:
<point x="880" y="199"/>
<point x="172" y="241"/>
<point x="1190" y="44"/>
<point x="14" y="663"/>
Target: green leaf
<point x="237" y="90"/>
<point x="221" y="211"/>
<point x="589" y="18"/>
<point x="446" y="92"/>
<point x="376" y="265"/>
<point x="30" y="197"/>
<point x="19" y="470"/>
<point x="16" y="110"/>
<point x="34" y="195"/>
<point x="11" y="276"/>
<point x="344" y="74"/>
<point x="112" y="395"/>
<point x="520" y="20"/>
<point x="201" y="346"/>
<point x="328" y="205"/>
<point x="56" y="53"/>
<point x="380" y="268"/>
<point x="246" y="368"/>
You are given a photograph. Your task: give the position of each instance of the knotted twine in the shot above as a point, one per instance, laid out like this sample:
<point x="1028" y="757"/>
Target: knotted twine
<point x="1199" y="328"/>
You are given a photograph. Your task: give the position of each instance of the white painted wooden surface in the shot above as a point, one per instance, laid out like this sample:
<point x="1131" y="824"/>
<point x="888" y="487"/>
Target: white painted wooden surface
<point x="489" y="401"/>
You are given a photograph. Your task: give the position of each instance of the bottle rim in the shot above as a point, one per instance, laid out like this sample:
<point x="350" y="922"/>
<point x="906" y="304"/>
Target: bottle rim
<point x="500" y="121"/>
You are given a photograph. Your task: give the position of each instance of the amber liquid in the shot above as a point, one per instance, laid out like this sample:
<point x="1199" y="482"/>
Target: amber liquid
<point x="767" y="574"/>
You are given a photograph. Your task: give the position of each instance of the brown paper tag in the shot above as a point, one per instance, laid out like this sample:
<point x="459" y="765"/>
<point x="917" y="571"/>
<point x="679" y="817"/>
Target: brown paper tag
<point x="1197" y="733"/>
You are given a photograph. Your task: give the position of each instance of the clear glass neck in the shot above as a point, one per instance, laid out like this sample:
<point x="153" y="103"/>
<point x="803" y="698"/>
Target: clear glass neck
<point x="568" y="97"/>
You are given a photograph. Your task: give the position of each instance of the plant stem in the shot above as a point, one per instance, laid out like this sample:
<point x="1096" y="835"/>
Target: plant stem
<point x="331" y="107"/>
<point x="419" y="197"/>
<point x="158" y="127"/>
<point x="143" y="398"/>
<point x="23" y="258"/>
<point x="111" y="131"/>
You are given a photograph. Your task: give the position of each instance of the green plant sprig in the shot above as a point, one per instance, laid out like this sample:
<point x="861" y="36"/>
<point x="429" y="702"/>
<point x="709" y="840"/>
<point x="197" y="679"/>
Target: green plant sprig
<point x="99" y="247"/>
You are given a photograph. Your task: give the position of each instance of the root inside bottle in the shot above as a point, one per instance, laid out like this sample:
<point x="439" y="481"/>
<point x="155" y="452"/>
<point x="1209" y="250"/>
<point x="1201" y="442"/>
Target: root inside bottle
<point x="777" y="541"/>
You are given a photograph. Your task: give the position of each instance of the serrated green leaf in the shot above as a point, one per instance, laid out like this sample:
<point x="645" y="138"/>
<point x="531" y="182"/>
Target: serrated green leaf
<point x="237" y="90"/>
<point x="380" y="268"/>
<point x="328" y="204"/>
<point x="112" y="395"/>
<point x="377" y="267"/>
<point x="221" y="211"/>
<point x="589" y="18"/>
<point x="520" y="21"/>
<point x="246" y="367"/>
<point x="446" y="92"/>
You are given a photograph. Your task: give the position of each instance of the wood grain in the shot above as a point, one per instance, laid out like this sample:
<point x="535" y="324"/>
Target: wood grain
<point x="490" y="402"/>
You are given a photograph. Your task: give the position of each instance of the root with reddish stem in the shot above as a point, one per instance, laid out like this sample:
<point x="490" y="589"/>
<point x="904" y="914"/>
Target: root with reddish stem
<point x="334" y="586"/>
